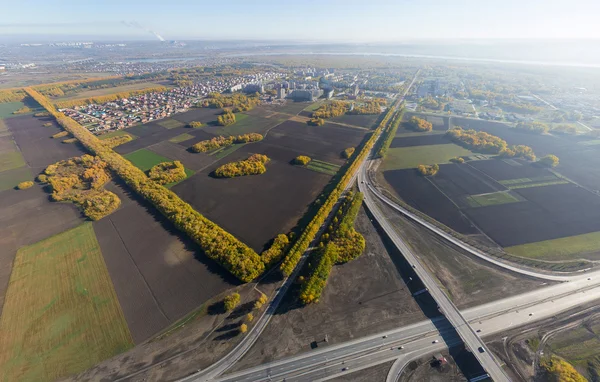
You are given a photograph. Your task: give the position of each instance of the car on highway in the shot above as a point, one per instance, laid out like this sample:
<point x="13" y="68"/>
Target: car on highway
<point x="530" y="314"/>
<point x="478" y="330"/>
<point x="481" y="350"/>
<point x="385" y="336"/>
<point x="435" y="341"/>
<point x="345" y="369"/>
<point x="400" y="347"/>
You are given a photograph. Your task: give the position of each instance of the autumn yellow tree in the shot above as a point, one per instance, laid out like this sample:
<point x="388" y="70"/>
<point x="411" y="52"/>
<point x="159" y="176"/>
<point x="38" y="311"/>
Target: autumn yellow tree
<point x="231" y="301"/>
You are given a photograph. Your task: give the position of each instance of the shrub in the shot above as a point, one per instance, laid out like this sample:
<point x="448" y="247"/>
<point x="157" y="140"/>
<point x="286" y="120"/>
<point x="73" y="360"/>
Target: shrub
<point x="330" y="110"/>
<point x="347" y="153"/>
<point x="215" y="242"/>
<point x="316" y="122"/>
<point x="60" y="134"/>
<point x="117" y="140"/>
<point x="302" y="160"/>
<point x="250" y="317"/>
<point x="419" y="124"/>
<point x="427" y="170"/>
<point x="558" y="370"/>
<point x="254" y="165"/>
<point x="167" y="172"/>
<point x="276" y="251"/>
<point x="226" y="119"/>
<point x="533" y="127"/>
<point x="243" y="328"/>
<point x="42" y="178"/>
<point x="48" y="124"/>
<point x="457" y="160"/>
<point x="81" y="181"/>
<point x="23" y="110"/>
<point x="549" y="161"/>
<point x="231" y="301"/>
<point x="221" y="141"/>
<point x="195" y="124"/>
<point x="25" y="185"/>
<point x="69" y="140"/>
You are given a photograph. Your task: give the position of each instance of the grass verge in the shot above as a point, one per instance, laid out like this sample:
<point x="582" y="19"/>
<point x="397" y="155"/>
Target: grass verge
<point x="324" y="167"/>
<point x="564" y="248"/>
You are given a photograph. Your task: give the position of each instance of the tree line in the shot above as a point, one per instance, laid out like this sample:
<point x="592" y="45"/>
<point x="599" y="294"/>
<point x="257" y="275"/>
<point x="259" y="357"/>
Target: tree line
<point x="167" y="172"/>
<point x="303" y="241"/>
<point x="15" y="95"/>
<point x="487" y="143"/>
<point x="222" y="141"/>
<point x="254" y="165"/>
<point x="419" y="124"/>
<point x="341" y="244"/>
<point x="390" y="133"/>
<point x="215" y="242"/>
<point x="108" y="97"/>
<point x="330" y="110"/>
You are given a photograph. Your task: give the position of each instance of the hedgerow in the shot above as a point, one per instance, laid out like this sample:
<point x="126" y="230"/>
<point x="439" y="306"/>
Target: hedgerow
<point x="276" y="251"/>
<point x="221" y="141"/>
<point x="216" y="243"/>
<point x="254" y="165"/>
<point x="390" y="134"/>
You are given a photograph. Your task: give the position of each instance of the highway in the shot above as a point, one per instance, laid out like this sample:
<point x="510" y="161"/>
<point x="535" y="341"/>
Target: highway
<point x="467" y="333"/>
<point x="417" y="339"/>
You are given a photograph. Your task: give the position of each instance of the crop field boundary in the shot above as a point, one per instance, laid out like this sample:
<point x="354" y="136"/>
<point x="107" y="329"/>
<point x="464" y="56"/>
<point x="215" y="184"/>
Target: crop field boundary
<point x="563" y="248"/>
<point x="564" y="266"/>
<point x="323" y="167"/>
<point x="492" y="198"/>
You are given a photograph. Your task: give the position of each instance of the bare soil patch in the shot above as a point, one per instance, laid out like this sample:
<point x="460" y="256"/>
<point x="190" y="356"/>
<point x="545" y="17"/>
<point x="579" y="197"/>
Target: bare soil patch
<point x="35" y="142"/>
<point x="159" y="275"/>
<point x="365" y="296"/>
<point x="254" y="208"/>
<point x="151" y="139"/>
<point x="421" y="140"/>
<point x="174" y="151"/>
<point x="361" y="120"/>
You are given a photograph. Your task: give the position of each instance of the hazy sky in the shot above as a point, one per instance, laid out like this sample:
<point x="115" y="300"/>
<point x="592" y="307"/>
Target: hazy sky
<point x="305" y="20"/>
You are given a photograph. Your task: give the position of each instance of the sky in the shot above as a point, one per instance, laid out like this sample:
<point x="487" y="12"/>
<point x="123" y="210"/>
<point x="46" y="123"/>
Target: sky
<point x="303" y="20"/>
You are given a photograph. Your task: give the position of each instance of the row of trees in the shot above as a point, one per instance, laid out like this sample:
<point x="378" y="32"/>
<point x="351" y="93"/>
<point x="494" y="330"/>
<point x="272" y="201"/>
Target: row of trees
<point x="419" y="124"/>
<point x="342" y="244"/>
<point x="12" y="95"/>
<point x="81" y="180"/>
<point x="428" y="170"/>
<point x="237" y="101"/>
<point x="390" y="133"/>
<point x="533" y="127"/>
<point x="487" y="143"/>
<point x="108" y="97"/>
<point x="226" y="119"/>
<point x="117" y="140"/>
<point x="167" y="172"/>
<point x="303" y="241"/>
<point x="222" y="141"/>
<point x="276" y="251"/>
<point x="331" y="110"/>
<point x="215" y="242"/>
<point x="302" y="160"/>
<point x="254" y="165"/>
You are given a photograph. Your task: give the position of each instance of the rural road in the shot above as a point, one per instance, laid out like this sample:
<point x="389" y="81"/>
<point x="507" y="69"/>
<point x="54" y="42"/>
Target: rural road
<point x="417" y="339"/>
<point x="447" y="308"/>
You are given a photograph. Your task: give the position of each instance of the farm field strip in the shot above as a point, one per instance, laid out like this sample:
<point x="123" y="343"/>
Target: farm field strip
<point x="170" y="123"/>
<point x="537" y="184"/>
<point x="558" y="249"/>
<point x="410" y="157"/>
<point x="222" y="152"/>
<point x="145" y="159"/>
<point x="324" y="167"/>
<point x="116" y="133"/>
<point x="592" y="142"/>
<point x="66" y="318"/>
<point x="509" y="182"/>
<point x="107" y="91"/>
<point x="7" y="109"/>
<point x="490" y="199"/>
<point x="181" y="138"/>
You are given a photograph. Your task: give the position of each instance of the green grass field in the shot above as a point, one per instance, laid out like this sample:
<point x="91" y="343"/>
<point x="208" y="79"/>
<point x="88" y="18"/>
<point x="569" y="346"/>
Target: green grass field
<point x="10" y="178"/>
<point x="565" y="248"/>
<point x="491" y="199"/>
<point x="170" y="123"/>
<point x="410" y="157"/>
<point x="188" y="173"/>
<point x="324" y="167"/>
<point x="314" y="106"/>
<point x="7" y="108"/>
<point x="224" y="151"/>
<point x="181" y="138"/>
<point x="116" y="133"/>
<point x="61" y="314"/>
<point x="11" y="160"/>
<point x="145" y="159"/>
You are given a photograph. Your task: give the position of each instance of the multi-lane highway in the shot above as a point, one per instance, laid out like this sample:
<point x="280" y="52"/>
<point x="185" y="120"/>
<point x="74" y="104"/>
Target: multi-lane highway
<point x="418" y="339"/>
<point x="447" y="308"/>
